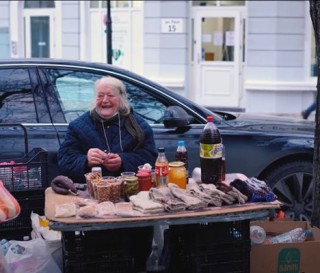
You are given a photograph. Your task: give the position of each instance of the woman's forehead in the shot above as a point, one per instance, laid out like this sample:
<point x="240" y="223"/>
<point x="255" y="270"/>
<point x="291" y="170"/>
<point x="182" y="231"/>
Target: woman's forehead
<point x="107" y="89"/>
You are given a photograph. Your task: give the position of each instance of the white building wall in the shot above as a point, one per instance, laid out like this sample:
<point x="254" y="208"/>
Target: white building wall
<point x="70" y="26"/>
<point x="166" y="54"/>
<point x="275" y="66"/>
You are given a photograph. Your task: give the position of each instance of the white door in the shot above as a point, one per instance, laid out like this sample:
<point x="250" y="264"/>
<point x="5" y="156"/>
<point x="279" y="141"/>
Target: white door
<point x="38" y="33"/>
<point x="217" y="54"/>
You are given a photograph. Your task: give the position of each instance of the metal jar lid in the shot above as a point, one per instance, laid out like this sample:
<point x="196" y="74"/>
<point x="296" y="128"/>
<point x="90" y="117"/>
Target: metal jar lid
<point x="176" y="164"/>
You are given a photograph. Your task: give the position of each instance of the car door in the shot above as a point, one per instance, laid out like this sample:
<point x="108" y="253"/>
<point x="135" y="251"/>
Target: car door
<point x="25" y="122"/>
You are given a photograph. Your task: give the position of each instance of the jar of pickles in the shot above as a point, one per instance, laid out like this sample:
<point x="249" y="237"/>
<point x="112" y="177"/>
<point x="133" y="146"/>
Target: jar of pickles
<point x="177" y="174"/>
<point x="131" y="187"/>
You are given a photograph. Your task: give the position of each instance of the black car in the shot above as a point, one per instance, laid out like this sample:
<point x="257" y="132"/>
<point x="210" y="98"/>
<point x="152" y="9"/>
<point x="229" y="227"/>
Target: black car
<point x="38" y="98"/>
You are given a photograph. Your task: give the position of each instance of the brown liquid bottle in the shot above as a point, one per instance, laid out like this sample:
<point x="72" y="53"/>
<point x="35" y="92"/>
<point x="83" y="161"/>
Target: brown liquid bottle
<point x="210" y="153"/>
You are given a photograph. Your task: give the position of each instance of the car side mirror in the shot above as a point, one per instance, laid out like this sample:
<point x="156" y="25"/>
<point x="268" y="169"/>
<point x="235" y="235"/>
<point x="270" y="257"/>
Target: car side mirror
<point x="175" y="116"/>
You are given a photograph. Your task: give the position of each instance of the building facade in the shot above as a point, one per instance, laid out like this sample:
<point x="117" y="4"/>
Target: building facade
<point x="253" y="56"/>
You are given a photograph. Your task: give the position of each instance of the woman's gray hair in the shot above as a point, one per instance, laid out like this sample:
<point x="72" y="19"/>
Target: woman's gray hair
<point x="117" y="85"/>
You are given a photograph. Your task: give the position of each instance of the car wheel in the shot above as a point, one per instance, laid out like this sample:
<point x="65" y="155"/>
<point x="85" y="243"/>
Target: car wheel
<point x="292" y="183"/>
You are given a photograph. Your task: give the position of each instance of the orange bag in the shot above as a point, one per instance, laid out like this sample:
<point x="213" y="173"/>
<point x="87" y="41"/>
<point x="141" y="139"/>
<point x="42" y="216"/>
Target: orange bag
<point x="9" y="206"/>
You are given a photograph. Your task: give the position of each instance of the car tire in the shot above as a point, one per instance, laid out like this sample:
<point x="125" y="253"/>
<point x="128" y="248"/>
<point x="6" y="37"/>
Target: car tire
<point x="292" y="183"/>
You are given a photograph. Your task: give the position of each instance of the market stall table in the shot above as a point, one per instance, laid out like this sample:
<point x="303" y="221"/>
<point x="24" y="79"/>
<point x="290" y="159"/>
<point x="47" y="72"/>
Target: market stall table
<point x="236" y="215"/>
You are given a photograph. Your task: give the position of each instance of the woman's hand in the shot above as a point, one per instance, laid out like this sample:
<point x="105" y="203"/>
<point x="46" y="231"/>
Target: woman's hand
<point x="112" y="162"/>
<point x="96" y="157"/>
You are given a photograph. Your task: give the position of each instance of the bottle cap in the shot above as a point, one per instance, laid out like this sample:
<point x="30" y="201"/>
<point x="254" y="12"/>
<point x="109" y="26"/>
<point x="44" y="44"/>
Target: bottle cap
<point x="210" y="118"/>
<point x="181" y="143"/>
<point x="96" y="169"/>
<point x="161" y="149"/>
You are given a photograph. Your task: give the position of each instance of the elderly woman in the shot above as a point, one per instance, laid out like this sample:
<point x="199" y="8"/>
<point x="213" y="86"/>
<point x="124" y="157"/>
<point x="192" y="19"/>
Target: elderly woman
<point x="110" y="136"/>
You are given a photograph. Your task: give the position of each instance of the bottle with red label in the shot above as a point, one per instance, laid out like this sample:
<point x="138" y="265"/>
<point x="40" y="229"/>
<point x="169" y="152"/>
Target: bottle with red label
<point x="161" y="167"/>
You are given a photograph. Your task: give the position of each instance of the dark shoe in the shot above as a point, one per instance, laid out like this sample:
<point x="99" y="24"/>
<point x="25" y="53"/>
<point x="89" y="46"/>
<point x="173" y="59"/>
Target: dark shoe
<point x="304" y="115"/>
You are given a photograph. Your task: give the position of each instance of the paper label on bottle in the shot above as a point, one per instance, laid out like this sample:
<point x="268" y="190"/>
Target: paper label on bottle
<point x="161" y="171"/>
<point x="210" y="150"/>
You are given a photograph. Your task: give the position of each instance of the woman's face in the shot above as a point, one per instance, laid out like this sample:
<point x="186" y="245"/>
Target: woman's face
<point x="107" y="101"/>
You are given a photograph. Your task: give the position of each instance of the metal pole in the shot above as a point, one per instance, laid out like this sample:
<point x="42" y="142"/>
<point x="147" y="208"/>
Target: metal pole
<point x="109" y="34"/>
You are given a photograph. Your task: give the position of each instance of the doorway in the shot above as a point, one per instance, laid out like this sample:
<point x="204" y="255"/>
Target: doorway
<point x="38" y="31"/>
<point x="217" y="57"/>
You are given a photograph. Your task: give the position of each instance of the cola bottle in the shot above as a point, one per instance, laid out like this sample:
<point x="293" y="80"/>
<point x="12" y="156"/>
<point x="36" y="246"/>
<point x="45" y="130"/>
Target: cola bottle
<point x="210" y="153"/>
<point x="161" y="168"/>
<point x="182" y="153"/>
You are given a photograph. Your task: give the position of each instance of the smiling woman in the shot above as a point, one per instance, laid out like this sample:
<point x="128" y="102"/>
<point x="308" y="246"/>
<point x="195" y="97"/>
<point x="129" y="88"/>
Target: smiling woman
<point x="109" y="126"/>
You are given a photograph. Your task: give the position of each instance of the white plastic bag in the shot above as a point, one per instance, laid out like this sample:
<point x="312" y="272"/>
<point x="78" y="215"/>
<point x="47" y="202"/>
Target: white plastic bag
<point x="30" y="257"/>
<point x="3" y="263"/>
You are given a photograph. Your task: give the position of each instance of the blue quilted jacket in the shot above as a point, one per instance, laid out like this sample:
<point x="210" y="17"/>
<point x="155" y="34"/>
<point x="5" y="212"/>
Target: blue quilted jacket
<point x="84" y="133"/>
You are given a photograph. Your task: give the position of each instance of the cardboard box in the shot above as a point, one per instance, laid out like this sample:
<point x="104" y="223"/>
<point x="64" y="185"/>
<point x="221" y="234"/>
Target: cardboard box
<point x="301" y="257"/>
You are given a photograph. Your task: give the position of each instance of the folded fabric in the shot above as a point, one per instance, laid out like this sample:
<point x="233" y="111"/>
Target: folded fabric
<point x="191" y="202"/>
<point x="164" y="196"/>
<point x="233" y="192"/>
<point x="255" y="190"/>
<point x="143" y="203"/>
<point x="212" y="190"/>
<point x="211" y="200"/>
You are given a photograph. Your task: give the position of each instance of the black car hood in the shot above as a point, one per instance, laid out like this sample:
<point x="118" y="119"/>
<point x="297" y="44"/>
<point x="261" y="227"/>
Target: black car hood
<point x="268" y="122"/>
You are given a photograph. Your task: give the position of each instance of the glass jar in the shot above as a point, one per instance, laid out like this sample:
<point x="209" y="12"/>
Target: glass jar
<point x="145" y="180"/>
<point x="131" y="187"/>
<point x="177" y="174"/>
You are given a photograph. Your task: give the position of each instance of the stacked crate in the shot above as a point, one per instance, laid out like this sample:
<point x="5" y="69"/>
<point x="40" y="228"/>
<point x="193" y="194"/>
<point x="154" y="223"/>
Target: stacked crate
<point x="26" y="179"/>
<point x="221" y="247"/>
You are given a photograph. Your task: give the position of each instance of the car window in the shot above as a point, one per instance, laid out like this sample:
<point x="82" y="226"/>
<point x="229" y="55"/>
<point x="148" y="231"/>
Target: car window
<point x="75" y="90"/>
<point x="16" y="97"/>
<point x="144" y="104"/>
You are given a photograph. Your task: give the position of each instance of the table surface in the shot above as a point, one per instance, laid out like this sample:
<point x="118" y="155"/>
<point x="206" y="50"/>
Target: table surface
<point x="237" y="212"/>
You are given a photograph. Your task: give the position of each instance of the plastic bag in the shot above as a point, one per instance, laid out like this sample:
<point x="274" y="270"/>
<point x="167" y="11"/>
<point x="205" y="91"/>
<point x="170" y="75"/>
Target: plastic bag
<point x="9" y="206"/>
<point x="40" y="229"/>
<point x="3" y="263"/>
<point x="30" y="257"/>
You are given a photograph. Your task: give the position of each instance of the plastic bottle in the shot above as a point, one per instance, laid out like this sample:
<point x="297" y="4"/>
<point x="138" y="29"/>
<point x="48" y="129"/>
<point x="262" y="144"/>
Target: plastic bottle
<point x="223" y="164"/>
<point x="182" y="155"/>
<point x="257" y="235"/>
<point x="210" y="153"/>
<point x="153" y="261"/>
<point x="293" y="236"/>
<point x="161" y="168"/>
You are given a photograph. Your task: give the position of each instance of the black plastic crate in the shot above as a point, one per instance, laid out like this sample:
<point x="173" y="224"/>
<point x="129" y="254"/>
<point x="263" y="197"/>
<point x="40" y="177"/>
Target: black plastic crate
<point x="222" y="247"/>
<point x="27" y="173"/>
<point x="104" y="248"/>
<point x="106" y="261"/>
<point x="21" y="226"/>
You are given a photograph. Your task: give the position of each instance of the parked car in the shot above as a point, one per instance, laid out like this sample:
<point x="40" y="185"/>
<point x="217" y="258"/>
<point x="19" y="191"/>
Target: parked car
<point x="38" y="98"/>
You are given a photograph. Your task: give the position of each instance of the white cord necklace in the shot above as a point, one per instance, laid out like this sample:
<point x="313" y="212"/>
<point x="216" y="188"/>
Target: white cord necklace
<point x="105" y="136"/>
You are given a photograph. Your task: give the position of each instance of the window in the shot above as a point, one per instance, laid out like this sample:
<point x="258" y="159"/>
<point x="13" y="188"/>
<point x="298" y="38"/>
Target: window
<point x="218" y="3"/>
<point x="314" y="63"/>
<point x="115" y="4"/>
<point x="4" y="42"/>
<point x="147" y="106"/>
<point x="38" y="4"/>
<point x="75" y="91"/>
<point x="16" y="97"/>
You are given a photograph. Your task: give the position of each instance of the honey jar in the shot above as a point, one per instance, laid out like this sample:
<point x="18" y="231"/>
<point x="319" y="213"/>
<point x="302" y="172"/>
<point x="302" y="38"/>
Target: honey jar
<point x="177" y="174"/>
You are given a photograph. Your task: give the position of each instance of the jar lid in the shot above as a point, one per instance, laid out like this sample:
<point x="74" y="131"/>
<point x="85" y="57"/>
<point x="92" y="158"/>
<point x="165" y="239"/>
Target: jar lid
<point x="176" y="164"/>
<point x="131" y="179"/>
